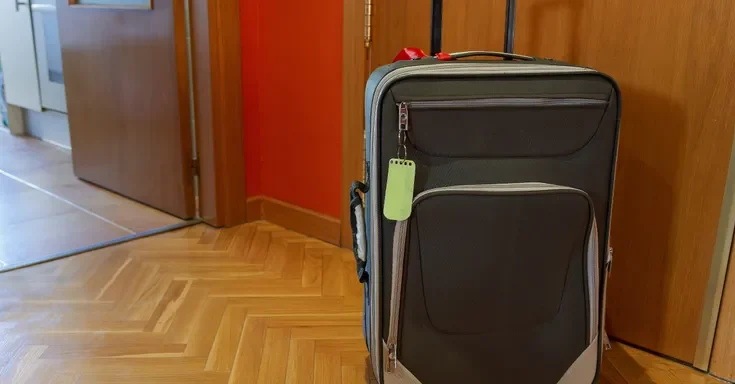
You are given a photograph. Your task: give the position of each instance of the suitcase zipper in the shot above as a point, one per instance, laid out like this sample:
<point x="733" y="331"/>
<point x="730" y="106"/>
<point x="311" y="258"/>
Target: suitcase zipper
<point x="504" y="187"/>
<point x="504" y="102"/>
<point x="404" y="106"/>
<point x="399" y="252"/>
<point x="400" y="245"/>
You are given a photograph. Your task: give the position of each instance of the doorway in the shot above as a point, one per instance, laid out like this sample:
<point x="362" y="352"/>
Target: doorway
<point x="154" y="110"/>
<point x="105" y="145"/>
<point x="46" y="211"/>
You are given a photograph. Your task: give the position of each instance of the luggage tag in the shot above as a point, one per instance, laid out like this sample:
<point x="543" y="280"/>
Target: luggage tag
<point x="399" y="189"/>
<point x="401" y="175"/>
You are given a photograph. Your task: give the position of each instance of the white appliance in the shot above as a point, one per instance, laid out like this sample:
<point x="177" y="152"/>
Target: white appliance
<point x="48" y="53"/>
<point x="33" y="73"/>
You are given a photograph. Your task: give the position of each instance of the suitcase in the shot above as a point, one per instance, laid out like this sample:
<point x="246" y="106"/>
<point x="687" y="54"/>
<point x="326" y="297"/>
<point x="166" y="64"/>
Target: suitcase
<point x="492" y="268"/>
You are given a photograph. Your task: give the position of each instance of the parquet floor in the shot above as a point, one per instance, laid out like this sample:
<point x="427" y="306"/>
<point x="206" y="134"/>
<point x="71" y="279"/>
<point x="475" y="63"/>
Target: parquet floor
<point x="251" y="304"/>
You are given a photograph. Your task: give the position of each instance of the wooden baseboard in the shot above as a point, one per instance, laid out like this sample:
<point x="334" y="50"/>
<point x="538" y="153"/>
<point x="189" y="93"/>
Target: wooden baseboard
<point x="254" y="208"/>
<point x="295" y="218"/>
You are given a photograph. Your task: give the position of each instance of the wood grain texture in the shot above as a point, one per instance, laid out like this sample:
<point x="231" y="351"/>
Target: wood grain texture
<point x="678" y="91"/>
<point x="625" y="364"/>
<point x="354" y="77"/>
<point x="298" y="219"/>
<point x="128" y="130"/>
<point x="722" y="363"/>
<point x="189" y="306"/>
<point x="485" y="20"/>
<point x="250" y="304"/>
<point x="398" y="24"/>
<point x="216" y="56"/>
<point x="255" y="210"/>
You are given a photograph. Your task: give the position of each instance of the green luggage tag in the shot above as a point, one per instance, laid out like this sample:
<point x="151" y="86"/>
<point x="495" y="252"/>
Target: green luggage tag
<point x="399" y="189"/>
<point x="401" y="175"/>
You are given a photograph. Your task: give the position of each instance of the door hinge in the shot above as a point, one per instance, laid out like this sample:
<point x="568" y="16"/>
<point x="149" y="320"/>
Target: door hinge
<point x="195" y="167"/>
<point x="368" y="37"/>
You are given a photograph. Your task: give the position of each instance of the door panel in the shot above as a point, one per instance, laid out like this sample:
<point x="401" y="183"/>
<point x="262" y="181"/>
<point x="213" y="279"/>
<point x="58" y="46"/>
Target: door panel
<point x="678" y="95"/>
<point x="723" y="351"/>
<point x="125" y="73"/>
<point x="473" y="25"/>
<point x="18" y="55"/>
<point x="398" y="24"/>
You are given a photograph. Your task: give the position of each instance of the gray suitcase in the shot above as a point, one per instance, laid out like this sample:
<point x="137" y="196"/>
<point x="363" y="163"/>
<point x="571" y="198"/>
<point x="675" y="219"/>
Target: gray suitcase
<point x="498" y="274"/>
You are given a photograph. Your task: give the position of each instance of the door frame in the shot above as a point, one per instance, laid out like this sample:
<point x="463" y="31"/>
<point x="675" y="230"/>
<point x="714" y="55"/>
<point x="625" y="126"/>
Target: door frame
<point x="718" y="273"/>
<point x="354" y="76"/>
<point x="216" y="64"/>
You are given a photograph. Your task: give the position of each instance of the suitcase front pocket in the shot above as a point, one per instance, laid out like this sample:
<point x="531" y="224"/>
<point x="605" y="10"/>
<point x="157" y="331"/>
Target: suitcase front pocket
<point x="503" y="127"/>
<point x="494" y="258"/>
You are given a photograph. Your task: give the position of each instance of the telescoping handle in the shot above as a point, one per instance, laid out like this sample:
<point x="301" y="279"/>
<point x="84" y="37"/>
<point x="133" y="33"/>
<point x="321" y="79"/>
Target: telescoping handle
<point x="510" y="26"/>
<point x="436" y="27"/>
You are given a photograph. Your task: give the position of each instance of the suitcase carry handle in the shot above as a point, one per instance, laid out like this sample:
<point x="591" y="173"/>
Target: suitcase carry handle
<point x="510" y="56"/>
<point x="357" y="223"/>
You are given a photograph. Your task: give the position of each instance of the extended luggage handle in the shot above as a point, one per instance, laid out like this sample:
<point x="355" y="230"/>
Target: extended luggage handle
<point x="504" y="55"/>
<point x="436" y="26"/>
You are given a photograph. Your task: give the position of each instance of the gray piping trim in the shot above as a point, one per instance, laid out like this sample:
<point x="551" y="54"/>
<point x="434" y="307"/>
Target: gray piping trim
<point x="499" y="188"/>
<point x="439" y="69"/>
<point x="584" y="369"/>
<point x="593" y="273"/>
<point x="507" y="102"/>
<point x="400" y="246"/>
<point x="396" y="294"/>
<point x="400" y="374"/>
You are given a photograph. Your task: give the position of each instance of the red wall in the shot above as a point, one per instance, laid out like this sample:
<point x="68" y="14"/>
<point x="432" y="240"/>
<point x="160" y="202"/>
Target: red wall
<point x="292" y="79"/>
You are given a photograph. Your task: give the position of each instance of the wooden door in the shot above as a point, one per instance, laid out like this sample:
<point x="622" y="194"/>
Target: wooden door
<point x="125" y="69"/>
<point x="723" y="352"/>
<point x="674" y="64"/>
<point x="398" y="24"/>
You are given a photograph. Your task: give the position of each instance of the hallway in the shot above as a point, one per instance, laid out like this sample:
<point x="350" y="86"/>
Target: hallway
<point x="45" y="210"/>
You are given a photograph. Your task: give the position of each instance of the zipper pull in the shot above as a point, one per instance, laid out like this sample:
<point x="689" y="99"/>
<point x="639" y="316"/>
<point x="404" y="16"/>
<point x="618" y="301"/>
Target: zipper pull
<point x="403" y="116"/>
<point x="392" y="358"/>
<point x="402" y="130"/>
<point x="609" y="260"/>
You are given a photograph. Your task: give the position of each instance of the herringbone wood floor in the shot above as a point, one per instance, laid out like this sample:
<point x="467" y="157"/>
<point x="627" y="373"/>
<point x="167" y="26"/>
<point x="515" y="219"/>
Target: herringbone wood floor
<point x="251" y="304"/>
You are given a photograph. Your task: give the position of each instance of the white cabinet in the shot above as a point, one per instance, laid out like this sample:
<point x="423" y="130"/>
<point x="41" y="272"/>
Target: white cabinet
<point x="48" y="53"/>
<point x="18" y="55"/>
<point x="31" y="54"/>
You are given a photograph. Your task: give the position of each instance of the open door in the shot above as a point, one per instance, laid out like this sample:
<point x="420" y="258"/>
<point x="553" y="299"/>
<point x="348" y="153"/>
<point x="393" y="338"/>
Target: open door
<point x="18" y="55"/>
<point x="126" y="75"/>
